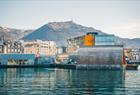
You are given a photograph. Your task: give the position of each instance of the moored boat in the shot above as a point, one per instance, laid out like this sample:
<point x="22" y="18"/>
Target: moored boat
<point x="131" y="66"/>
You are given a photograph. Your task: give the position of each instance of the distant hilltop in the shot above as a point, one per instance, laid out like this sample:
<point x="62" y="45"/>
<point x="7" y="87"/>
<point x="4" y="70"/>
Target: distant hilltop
<point x="60" y="32"/>
<point x="13" y="34"/>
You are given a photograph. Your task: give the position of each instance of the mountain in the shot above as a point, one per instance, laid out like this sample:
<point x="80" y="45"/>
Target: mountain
<point x="61" y="31"/>
<point x="132" y="42"/>
<point x="13" y="34"/>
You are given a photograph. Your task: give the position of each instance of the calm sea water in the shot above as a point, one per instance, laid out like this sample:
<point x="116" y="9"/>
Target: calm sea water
<point x="44" y="81"/>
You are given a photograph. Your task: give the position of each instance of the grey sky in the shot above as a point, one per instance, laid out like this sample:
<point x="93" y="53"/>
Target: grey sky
<point x="119" y="17"/>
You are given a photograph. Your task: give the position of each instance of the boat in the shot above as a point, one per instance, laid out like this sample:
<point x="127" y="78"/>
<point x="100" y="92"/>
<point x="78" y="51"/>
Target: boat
<point x="131" y="66"/>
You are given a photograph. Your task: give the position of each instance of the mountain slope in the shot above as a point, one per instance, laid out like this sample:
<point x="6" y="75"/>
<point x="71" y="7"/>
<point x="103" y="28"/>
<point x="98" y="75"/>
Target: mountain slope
<point x="13" y="34"/>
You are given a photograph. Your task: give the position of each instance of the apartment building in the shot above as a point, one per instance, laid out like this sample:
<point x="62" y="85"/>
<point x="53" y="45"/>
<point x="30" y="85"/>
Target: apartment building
<point x="39" y="47"/>
<point x="7" y="46"/>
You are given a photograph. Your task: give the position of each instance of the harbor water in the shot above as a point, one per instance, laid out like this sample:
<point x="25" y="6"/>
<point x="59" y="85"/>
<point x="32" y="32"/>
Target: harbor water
<point x="47" y="81"/>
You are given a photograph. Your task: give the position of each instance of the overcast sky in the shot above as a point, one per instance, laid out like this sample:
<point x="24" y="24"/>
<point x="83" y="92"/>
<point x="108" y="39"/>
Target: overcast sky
<point x="119" y="17"/>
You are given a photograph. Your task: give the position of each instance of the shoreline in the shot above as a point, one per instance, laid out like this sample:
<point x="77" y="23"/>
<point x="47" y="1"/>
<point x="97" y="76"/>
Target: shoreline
<point x="68" y="66"/>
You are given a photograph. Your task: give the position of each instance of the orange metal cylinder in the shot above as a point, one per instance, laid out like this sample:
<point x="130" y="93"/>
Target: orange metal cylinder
<point x="89" y="40"/>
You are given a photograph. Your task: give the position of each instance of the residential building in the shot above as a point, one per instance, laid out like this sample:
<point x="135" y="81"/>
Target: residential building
<point x="127" y="53"/>
<point x="74" y="44"/>
<point x="132" y="54"/>
<point x="39" y="47"/>
<point x="135" y="54"/>
<point x="7" y="46"/>
<point x="59" y="50"/>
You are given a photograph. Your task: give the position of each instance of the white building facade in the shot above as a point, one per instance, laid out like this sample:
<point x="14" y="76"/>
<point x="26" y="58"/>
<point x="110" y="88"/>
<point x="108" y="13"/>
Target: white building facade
<point x="40" y="48"/>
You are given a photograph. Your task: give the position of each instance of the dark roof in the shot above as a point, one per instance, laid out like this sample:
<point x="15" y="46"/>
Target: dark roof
<point x="95" y="33"/>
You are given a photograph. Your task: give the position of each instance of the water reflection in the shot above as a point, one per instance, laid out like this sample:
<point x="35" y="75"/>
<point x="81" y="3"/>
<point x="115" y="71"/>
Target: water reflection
<point x="45" y="81"/>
